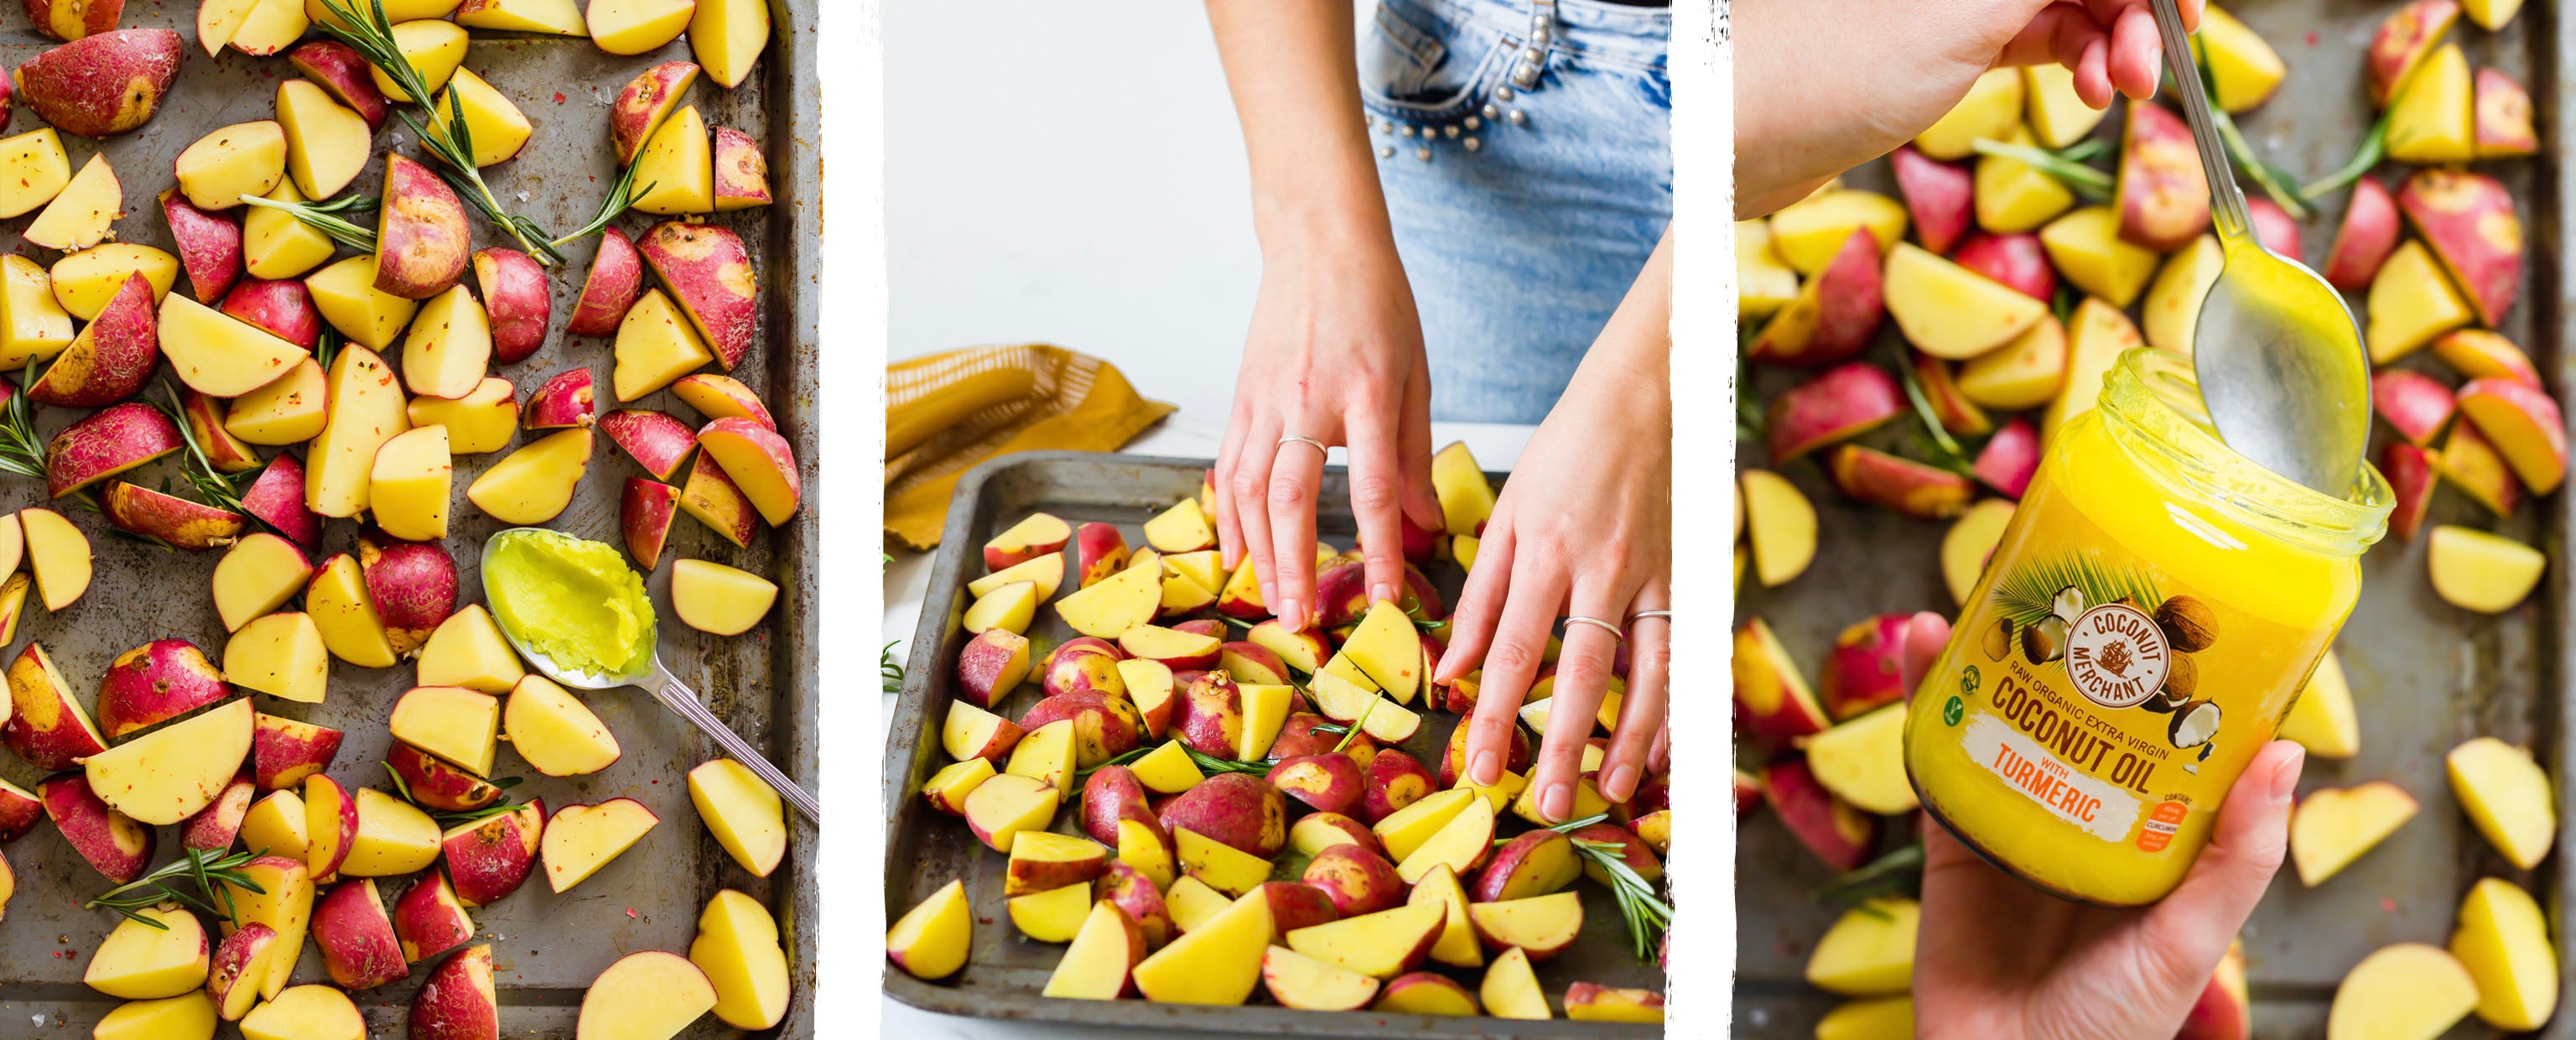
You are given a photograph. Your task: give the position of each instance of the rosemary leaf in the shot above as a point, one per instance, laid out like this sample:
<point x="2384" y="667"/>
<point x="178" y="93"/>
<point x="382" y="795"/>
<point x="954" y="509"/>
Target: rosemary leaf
<point x="2093" y="184"/>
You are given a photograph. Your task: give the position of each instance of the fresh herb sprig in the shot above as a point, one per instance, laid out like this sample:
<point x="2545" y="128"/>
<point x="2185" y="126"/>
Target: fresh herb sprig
<point x="449" y="140"/>
<point x="219" y="489"/>
<point x="325" y="217"/>
<point x="622" y="196"/>
<point x="1641" y="904"/>
<point x="2374" y="147"/>
<point x="2094" y="184"/>
<point x="1952" y="456"/>
<point x="461" y="816"/>
<point x="2277" y="183"/>
<point x="887" y="670"/>
<point x="22" y="452"/>
<point x="1897" y="873"/>
<point x="205" y="867"/>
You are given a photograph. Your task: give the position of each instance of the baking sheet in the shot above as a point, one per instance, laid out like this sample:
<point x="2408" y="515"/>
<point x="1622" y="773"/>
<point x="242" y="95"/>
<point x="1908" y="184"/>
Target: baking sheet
<point x="546" y="948"/>
<point x="925" y="850"/>
<point x="2424" y="675"/>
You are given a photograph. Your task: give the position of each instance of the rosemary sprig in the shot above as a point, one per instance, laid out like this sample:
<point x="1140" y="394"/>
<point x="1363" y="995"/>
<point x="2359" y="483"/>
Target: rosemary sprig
<point x="2084" y="151"/>
<point x="1212" y="765"/>
<point x="219" y="489"/>
<point x="449" y="140"/>
<point x="1896" y="873"/>
<point x="1952" y="456"/>
<point x="2093" y="184"/>
<point x="1641" y="905"/>
<point x="888" y="670"/>
<point x="622" y="196"/>
<point x="21" y="451"/>
<point x="206" y="867"/>
<point x="2374" y="147"/>
<point x="1119" y="759"/>
<point x="325" y="218"/>
<point x="1352" y="732"/>
<point x="464" y="816"/>
<point x="327" y="346"/>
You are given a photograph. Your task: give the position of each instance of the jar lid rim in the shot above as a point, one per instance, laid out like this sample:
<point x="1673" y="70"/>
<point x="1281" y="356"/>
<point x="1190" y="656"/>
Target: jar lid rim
<point x="2156" y="394"/>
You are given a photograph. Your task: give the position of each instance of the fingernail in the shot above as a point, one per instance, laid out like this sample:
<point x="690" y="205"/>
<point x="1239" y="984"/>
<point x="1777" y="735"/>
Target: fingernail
<point x="2156" y="57"/>
<point x="1382" y="593"/>
<point x="2285" y="777"/>
<point x="1558" y="803"/>
<point x="1269" y="592"/>
<point x="1291" y="618"/>
<point x="1485" y="770"/>
<point x="1623" y="783"/>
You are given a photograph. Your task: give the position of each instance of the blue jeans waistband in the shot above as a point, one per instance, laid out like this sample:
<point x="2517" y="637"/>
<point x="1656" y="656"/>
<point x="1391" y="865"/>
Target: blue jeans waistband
<point x="1587" y="29"/>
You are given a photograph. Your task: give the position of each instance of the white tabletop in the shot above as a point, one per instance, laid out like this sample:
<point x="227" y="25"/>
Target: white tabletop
<point x="1184" y="434"/>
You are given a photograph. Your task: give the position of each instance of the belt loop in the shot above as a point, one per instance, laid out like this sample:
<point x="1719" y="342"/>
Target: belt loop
<point x="1534" y="57"/>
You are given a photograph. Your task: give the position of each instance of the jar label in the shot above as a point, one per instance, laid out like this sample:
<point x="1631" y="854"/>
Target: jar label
<point x="2114" y="697"/>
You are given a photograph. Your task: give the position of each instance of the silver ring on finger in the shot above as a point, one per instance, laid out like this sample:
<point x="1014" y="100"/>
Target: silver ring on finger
<point x="1615" y="631"/>
<point x="1292" y="438"/>
<point x="1644" y="614"/>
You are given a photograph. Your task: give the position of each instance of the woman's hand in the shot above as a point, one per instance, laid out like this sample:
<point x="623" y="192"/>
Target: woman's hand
<point x="1335" y="354"/>
<point x="1996" y="959"/>
<point x="1582" y="529"/>
<point x="1825" y="85"/>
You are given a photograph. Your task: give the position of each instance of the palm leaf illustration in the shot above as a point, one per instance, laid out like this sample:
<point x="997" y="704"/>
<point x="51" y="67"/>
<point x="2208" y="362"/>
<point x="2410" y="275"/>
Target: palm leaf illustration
<point x="2028" y="593"/>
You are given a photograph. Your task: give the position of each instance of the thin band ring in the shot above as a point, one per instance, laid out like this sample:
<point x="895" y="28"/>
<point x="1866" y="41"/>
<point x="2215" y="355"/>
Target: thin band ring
<point x="1615" y="631"/>
<point x="1644" y="614"/>
<point x="1297" y="439"/>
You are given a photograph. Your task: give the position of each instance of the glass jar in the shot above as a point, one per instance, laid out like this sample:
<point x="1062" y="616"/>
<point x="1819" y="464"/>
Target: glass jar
<point x="2151" y="612"/>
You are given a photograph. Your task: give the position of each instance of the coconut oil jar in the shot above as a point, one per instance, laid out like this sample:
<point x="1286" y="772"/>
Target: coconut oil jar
<point x="2141" y="630"/>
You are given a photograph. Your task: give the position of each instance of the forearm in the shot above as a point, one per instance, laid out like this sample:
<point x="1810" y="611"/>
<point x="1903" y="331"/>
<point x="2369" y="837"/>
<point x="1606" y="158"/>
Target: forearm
<point x="1291" y="67"/>
<point x="1630" y="363"/>
<point x="1794" y="127"/>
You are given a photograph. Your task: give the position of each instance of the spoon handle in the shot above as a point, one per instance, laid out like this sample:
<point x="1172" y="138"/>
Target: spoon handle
<point x="2227" y="201"/>
<point x="678" y="697"/>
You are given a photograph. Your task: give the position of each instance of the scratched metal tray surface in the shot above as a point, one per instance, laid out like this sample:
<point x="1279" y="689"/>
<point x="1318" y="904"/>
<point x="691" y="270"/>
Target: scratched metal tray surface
<point x="546" y="948"/>
<point x="2424" y="675"/>
<point x="925" y="850"/>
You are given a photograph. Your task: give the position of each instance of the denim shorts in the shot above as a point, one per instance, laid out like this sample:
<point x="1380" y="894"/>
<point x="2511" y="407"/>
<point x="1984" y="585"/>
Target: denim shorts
<point x="1528" y="180"/>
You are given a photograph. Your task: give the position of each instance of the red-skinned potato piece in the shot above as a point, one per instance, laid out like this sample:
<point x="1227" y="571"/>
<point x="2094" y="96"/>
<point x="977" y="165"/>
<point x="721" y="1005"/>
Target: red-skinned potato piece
<point x="517" y="299"/>
<point x="102" y="85"/>
<point x="742" y="172"/>
<point x="1941" y="196"/>
<point x="760" y="462"/>
<point x="429" y="920"/>
<point x="436" y="785"/>
<point x="563" y="401"/>
<point x="213" y="828"/>
<point x="644" y="102"/>
<point x="284" y="751"/>
<point x="1834" y="314"/>
<point x="277" y="499"/>
<point x="655" y="441"/>
<point x="282" y="308"/>
<point x="1901" y="484"/>
<point x="1453" y="762"/>
<point x="709" y="274"/>
<point x="1952" y="408"/>
<point x="1232" y="809"/>
<point x="2502" y="127"/>
<point x="176" y="522"/>
<point x="2163" y="192"/>
<point x="711" y="496"/>
<point x="644" y="513"/>
<point x="1861" y="671"/>
<point x="1842" y="403"/>
<point x="719" y="396"/>
<point x="457" y="1001"/>
<point x="2017" y="260"/>
<point x="46" y="726"/>
<point x="1356" y="878"/>
<point x="414" y="585"/>
<point x="1111" y="794"/>
<point x="2523" y="424"/>
<point x="1104" y="727"/>
<point x="156" y="682"/>
<point x="1128" y="889"/>
<point x="20" y="810"/>
<point x="423" y="240"/>
<point x="2401" y="42"/>
<point x="1837" y="833"/>
<point x="2416" y="405"/>
<point x="1328" y="782"/>
<point x="1394" y="780"/>
<point x="210" y="245"/>
<point x="2482" y="354"/>
<point x="1296" y="904"/>
<point x="2468" y="219"/>
<point x="2273" y="226"/>
<point x="105" y="443"/>
<point x="110" y="842"/>
<point x="2365" y="237"/>
<point x="111" y="359"/>
<point x="205" y="418"/>
<point x="488" y="859"/>
<point x="1297" y="736"/>
<point x="73" y="19"/>
<point x="2009" y="458"/>
<point x="616" y="279"/>
<point x="2412" y="475"/>
<point x="356" y="936"/>
<point x="1086" y="664"/>
<point x="339" y="69"/>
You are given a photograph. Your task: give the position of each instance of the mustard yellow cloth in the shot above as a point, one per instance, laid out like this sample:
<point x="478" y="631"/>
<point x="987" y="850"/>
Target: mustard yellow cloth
<point x="946" y="412"/>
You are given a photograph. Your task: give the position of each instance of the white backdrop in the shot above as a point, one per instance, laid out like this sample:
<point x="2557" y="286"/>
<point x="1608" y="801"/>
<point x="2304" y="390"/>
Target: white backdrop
<point x="1070" y="173"/>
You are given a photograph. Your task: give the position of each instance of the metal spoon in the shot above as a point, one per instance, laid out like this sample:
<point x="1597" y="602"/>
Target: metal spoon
<point x="665" y="687"/>
<point x="2279" y="358"/>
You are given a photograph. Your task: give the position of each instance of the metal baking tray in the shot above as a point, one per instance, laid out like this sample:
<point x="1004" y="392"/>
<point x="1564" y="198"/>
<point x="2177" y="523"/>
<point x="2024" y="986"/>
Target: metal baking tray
<point x="2424" y="675"/>
<point x="924" y="850"/>
<point x="546" y="948"/>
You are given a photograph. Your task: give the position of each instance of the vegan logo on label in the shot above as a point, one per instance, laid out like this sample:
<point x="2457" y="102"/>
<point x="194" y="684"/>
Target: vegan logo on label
<point x="2116" y="655"/>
